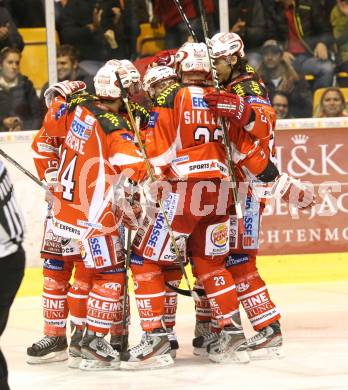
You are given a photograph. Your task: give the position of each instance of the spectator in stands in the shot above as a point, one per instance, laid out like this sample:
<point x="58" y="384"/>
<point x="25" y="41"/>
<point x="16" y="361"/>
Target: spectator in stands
<point x="176" y="30"/>
<point x="281" y="76"/>
<point x="247" y="19"/>
<point x="280" y="103"/>
<point x="58" y="8"/>
<point x="9" y="35"/>
<point x="95" y="28"/>
<point x="68" y="69"/>
<point x="332" y="104"/>
<point x="339" y="22"/>
<point x="305" y="31"/>
<point x="27" y="13"/>
<point x="19" y="104"/>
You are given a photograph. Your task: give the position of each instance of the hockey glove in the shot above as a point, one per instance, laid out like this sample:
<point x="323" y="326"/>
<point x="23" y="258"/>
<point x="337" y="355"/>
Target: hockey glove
<point x="293" y="191"/>
<point x="64" y="88"/>
<point x="165" y="58"/>
<point x="129" y="211"/>
<point x="230" y="106"/>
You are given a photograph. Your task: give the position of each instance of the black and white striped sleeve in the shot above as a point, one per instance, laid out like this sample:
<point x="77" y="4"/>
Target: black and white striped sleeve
<point x="11" y="219"/>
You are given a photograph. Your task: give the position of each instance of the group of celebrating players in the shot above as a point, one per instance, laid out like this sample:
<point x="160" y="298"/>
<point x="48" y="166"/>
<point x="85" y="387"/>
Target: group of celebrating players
<point x="170" y="175"/>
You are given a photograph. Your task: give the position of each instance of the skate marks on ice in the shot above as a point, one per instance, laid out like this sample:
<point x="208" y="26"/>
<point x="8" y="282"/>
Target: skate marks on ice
<point x="314" y="323"/>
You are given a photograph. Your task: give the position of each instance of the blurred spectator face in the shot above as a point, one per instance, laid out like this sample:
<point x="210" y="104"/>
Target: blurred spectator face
<point x="272" y="58"/>
<point x="10" y="66"/>
<point x="332" y="104"/>
<point x="66" y="68"/>
<point x="281" y="106"/>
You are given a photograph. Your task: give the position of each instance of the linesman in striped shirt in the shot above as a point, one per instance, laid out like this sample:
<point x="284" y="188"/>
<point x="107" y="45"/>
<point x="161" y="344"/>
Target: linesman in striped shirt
<point x="12" y="257"/>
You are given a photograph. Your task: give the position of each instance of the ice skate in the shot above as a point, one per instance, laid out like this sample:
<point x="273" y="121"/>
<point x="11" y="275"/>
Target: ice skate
<point x="152" y="352"/>
<point x="202" y="328"/>
<point x="116" y="342"/>
<point x="200" y="343"/>
<point x="173" y="341"/>
<point x="203" y="337"/>
<point x="229" y="347"/>
<point x="48" y="350"/>
<point x="267" y="344"/>
<point x="97" y="354"/>
<point x="75" y="347"/>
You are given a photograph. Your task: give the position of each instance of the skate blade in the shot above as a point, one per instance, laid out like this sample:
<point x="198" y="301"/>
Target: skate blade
<point x="266" y="353"/>
<point x="236" y="357"/>
<point x="202" y="352"/>
<point x="97" y="365"/>
<point x="74" y="361"/>
<point x="51" y="357"/>
<point x="154" y="362"/>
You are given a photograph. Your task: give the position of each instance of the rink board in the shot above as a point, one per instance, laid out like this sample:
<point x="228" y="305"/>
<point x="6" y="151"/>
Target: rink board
<point x="329" y="267"/>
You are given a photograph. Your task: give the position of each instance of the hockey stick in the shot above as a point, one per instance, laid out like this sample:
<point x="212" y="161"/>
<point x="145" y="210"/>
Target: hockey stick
<point x="152" y="178"/>
<point x="22" y="169"/>
<point x="184" y="292"/>
<point x="186" y="21"/>
<point x="126" y="283"/>
<point x="227" y="144"/>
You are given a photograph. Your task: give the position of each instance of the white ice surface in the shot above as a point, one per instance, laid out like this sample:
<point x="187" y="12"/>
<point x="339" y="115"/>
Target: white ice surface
<point x="314" y="324"/>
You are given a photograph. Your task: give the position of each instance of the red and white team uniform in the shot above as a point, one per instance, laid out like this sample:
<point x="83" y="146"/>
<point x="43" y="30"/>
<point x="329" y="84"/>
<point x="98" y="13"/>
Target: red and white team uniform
<point x="85" y="138"/>
<point x="251" y="289"/>
<point x="182" y="139"/>
<point x="252" y="146"/>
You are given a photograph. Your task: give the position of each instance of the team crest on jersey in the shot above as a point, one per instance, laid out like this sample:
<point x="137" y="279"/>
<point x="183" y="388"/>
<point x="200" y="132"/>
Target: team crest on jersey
<point x="81" y="129"/>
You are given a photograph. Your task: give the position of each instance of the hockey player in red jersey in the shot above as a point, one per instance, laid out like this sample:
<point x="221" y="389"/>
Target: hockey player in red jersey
<point x="61" y="257"/>
<point x="182" y="133"/>
<point x="251" y="122"/>
<point x="91" y="135"/>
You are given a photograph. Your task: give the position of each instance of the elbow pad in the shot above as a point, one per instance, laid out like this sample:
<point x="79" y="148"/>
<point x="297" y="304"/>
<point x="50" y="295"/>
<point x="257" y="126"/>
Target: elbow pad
<point x="269" y="174"/>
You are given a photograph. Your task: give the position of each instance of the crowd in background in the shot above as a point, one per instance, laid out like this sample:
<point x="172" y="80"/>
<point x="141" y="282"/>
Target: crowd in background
<point x="297" y="46"/>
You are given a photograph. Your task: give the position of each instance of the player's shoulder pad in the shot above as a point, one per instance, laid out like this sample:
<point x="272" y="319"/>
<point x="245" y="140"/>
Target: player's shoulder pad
<point x="166" y="97"/>
<point x="250" y="87"/>
<point x="141" y="112"/>
<point x="110" y="122"/>
<point x="80" y="99"/>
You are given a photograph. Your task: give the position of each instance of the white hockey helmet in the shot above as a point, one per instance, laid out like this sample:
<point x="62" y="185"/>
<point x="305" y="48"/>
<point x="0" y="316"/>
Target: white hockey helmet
<point x="156" y="74"/>
<point x="105" y="81"/>
<point x="192" y="57"/>
<point x="132" y="69"/>
<point x="227" y="44"/>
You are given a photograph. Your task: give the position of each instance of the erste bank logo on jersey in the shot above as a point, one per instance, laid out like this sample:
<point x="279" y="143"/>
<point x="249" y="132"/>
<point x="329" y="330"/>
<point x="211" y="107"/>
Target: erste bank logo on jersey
<point x="198" y="102"/>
